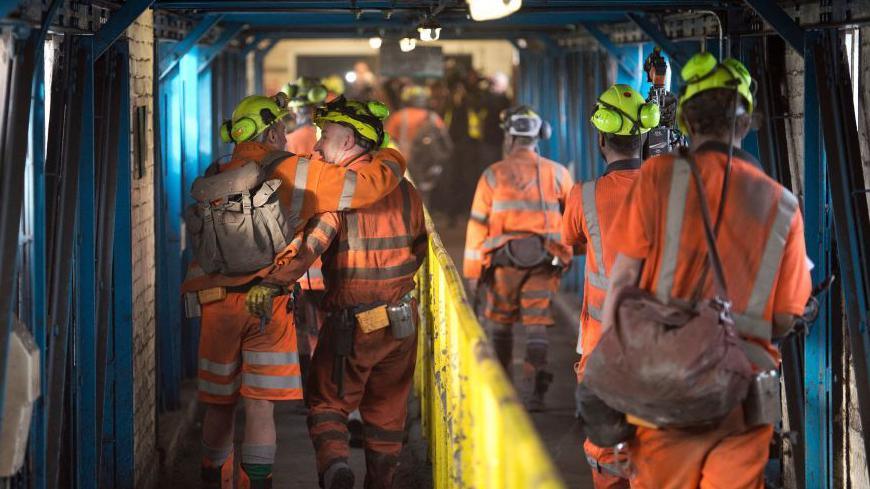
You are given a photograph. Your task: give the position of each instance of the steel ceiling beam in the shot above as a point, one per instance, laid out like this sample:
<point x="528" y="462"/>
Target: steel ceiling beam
<point x="229" y="33"/>
<point x="118" y="23"/>
<point x="780" y="21"/>
<point x="185" y="45"/>
<point x="7" y="7"/>
<point x="677" y="54"/>
<point x="625" y="64"/>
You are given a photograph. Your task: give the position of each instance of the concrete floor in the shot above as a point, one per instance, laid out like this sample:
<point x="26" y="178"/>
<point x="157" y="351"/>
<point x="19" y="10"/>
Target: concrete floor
<point x="295" y="466"/>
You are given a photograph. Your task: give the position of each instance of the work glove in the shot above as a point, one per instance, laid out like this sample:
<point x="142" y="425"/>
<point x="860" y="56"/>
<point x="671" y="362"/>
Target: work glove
<point x="259" y="299"/>
<point x="472" y="286"/>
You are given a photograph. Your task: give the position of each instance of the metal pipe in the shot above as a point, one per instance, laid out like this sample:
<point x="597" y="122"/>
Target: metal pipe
<point x="719" y="24"/>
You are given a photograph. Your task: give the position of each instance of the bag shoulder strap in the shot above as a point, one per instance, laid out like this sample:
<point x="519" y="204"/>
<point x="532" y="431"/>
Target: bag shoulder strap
<point x="709" y="233"/>
<point x="272" y="159"/>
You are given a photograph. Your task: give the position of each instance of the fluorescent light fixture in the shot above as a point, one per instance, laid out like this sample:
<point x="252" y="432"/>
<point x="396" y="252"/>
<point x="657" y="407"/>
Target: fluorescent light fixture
<point x="375" y="42"/>
<point x="492" y="9"/>
<point x="407" y="44"/>
<point x="350" y="76"/>
<point x="429" y="30"/>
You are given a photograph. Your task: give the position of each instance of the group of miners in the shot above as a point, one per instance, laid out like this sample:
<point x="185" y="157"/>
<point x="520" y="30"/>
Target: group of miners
<point x="307" y="240"/>
<point x="695" y="263"/>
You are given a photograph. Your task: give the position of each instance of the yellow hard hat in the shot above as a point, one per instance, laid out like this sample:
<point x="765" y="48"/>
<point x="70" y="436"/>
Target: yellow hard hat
<point x="253" y="115"/>
<point x="703" y="72"/>
<point x="305" y="91"/>
<point x="366" y="119"/>
<point x="622" y="111"/>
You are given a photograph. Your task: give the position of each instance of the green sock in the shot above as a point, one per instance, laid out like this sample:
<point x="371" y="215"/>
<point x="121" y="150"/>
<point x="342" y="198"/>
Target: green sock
<point x="257" y="472"/>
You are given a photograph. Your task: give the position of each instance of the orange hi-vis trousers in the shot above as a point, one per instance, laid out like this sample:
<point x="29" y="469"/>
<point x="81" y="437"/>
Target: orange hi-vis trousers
<point x="377" y="381"/>
<point x="522" y="294"/>
<point x="236" y="358"/>
<point x="732" y="455"/>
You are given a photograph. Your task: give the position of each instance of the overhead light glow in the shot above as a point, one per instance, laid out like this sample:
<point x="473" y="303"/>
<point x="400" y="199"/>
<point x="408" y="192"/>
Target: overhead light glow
<point x="429" y="30"/>
<point x="350" y="76"/>
<point x="407" y="44"/>
<point x="375" y="42"/>
<point x="492" y="9"/>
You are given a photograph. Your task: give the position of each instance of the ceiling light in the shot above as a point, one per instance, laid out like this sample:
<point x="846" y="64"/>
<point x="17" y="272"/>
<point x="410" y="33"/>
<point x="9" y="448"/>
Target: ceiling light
<point x="429" y="30"/>
<point x="375" y="42"/>
<point x="492" y="9"/>
<point x="350" y="76"/>
<point x="407" y="44"/>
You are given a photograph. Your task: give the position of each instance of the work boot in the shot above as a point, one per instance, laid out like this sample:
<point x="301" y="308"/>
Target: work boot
<point x="535" y="403"/>
<point x="338" y="476"/>
<point x="217" y="476"/>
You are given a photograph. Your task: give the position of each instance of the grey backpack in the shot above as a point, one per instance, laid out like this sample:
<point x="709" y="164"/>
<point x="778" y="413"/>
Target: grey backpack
<point x="238" y="225"/>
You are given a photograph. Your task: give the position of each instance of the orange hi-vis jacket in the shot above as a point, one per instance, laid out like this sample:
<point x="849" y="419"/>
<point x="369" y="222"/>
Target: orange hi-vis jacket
<point x="302" y="140"/>
<point x="760" y="240"/>
<point x="511" y="202"/>
<point x="309" y="187"/>
<point x="402" y="126"/>
<point x="369" y="255"/>
<point x="588" y="215"/>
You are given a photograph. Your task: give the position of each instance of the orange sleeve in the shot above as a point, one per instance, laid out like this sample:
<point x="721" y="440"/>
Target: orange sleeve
<point x="478" y="228"/>
<point x="632" y="227"/>
<point x="311" y="243"/>
<point x="794" y="286"/>
<point x="572" y="221"/>
<point x="336" y="188"/>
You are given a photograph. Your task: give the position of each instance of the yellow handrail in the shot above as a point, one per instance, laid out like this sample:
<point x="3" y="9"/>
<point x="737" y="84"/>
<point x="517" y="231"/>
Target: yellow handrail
<point x="479" y="433"/>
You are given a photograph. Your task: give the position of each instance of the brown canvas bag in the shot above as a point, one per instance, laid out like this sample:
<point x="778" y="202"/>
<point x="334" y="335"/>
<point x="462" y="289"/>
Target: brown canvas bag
<point x="673" y="365"/>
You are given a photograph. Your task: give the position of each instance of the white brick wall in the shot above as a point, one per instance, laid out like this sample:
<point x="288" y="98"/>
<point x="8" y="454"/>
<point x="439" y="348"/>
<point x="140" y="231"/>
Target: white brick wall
<point x="141" y="36"/>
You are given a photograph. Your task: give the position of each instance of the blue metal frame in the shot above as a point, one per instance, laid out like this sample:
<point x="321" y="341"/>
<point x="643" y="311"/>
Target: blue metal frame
<point x="208" y="53"/>
<point x="185" y="45"/>
<point x="118" y="23"/>
<point x="677" y="54"/>
<point x="626" y="65"/>
<point x="784" y="25"/>
<point x="817" y="362"/>
<point x="85" y="379"/>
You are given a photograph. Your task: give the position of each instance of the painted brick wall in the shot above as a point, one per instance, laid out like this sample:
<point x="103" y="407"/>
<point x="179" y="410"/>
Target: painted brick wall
<point x="141" y="38"/>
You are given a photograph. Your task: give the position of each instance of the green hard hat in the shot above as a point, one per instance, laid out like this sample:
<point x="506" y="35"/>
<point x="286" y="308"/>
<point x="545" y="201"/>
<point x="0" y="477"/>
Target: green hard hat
<point x="305" y="91"/>
<point x="366" y="119"/>
<point x="703" y="72"/>
<point x="253" y="115"/>
<point x="622" y="111"/>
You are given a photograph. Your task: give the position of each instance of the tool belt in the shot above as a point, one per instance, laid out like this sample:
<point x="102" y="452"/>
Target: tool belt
<point x="400" y="317"/>
<point x="527" y="252"/>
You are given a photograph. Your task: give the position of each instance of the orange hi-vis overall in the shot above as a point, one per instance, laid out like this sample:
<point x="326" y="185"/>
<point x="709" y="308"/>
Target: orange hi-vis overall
<point x="235" y="356"/>
<point x="520" y="196"/>
<point x="371" y="256"/>
<point x="588" y="215"/>
<point x="763" y="254"/>
<point x="403" y="125"/>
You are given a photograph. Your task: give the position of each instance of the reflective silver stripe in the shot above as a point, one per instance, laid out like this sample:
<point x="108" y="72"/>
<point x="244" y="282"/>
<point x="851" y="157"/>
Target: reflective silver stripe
<point x="299" y="184"/>
<point x="557" y="178"/>
<point x="313" y="273"/>
<point x="347" y="191"/>
<point x="395" y="168"/>
<point x="407" y="268"/>
<point x="535" y="311"/>
<point x="497" y="241"/>
<point x="597" y="280"/>
<point x="772" y="255"/>
<point x="216" y="389"/>
<point x="749" y="326"/>
<point x="758" y="355"/>
<point x="590" y="213"/>
<point x="272" y="381"/>
<point x="479" y="217"/>
<point x="269" y="358"/>
<point x="536" y="294"/>
<point x="594" y="312"/>
<point x="388" y="243"/>
<point x="673" y="228"/>
<point x="523" y="205"/>
<point x="218" y="368"/>
<point x="489" y="175"/>
<point x="472" y="255"/>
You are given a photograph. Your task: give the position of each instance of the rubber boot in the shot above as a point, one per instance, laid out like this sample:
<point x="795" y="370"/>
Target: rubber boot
<point x="338" y="476"/>
<point x="217" y="476"/>
<point x="543" y="379"/>
<point x="263" y="481"/>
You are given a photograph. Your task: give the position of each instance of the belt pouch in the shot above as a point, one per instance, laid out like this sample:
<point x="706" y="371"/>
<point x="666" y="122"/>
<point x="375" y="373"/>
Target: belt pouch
<point x="214" y="294"/>
<point x="763" y="405"/>
<point x="401" y="320"/>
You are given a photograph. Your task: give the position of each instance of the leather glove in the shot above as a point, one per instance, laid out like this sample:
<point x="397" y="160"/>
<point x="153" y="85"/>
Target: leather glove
<point x="259" y="299"/>
<point x="472" y="286"/>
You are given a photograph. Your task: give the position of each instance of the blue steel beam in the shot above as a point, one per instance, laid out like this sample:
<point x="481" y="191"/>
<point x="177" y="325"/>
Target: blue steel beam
<point x="625" y="64"/>
<point x="7" y="6"/>
<point x="677" y="54"/>
<point x="118" y="23"/>
<point x="185" y="45"/>
<point x="784" y="25"/>
<point x="208" y="54"/>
